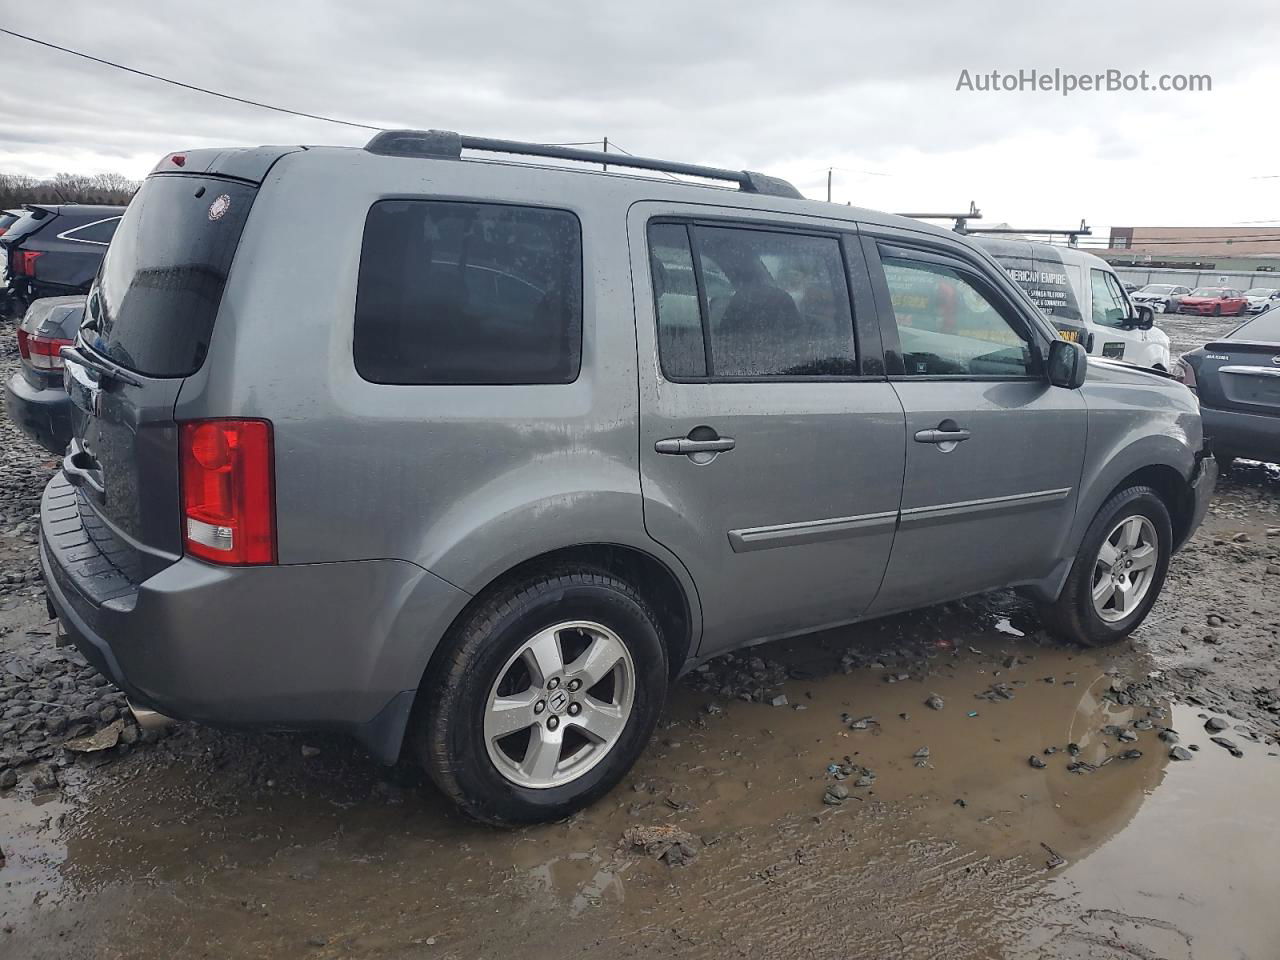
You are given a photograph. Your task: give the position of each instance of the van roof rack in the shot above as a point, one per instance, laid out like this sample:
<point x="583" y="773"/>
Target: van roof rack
<point x="447" y="145"/>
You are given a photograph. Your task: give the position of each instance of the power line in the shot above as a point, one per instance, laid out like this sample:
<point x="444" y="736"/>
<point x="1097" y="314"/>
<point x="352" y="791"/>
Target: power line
<point x="621" y="149"/>
<point x="186" y="86"/>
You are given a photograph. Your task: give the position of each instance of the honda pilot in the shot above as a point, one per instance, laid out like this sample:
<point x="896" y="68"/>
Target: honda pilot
<point x="475" y="481"/>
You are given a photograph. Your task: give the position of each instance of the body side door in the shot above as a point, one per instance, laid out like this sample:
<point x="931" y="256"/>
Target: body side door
<point x="771" y="443"/>
<point x="993" y="452"/>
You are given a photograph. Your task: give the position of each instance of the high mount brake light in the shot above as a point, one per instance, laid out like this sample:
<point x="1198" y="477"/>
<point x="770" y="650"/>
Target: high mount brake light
<point x="228" y="495"/>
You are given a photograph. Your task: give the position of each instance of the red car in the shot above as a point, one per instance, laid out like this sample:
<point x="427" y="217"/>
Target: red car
<point x="1214" y="301"/>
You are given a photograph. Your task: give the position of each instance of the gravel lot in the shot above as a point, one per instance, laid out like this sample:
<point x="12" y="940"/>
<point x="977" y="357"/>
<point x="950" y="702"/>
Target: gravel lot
<point x="942" y="784"/>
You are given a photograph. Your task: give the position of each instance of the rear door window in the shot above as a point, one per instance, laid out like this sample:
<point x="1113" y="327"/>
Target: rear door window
<point x="761" y="304"/>
<point x="456" y="293"/>
<point x="153" y="307"/>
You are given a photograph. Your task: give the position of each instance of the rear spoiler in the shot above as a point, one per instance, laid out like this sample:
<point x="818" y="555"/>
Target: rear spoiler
<point x="247" y="163"/>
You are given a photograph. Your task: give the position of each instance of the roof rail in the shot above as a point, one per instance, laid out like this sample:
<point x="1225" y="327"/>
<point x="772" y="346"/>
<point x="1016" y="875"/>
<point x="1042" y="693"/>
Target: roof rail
<point x="445" y="144"/>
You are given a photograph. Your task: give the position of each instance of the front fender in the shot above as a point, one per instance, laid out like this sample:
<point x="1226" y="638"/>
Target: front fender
<point x="1133" y="426"/>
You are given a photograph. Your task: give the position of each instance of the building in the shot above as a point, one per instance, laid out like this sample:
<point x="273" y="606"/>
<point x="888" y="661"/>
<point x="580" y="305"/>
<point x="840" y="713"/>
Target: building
<point x="1196" y="256"/>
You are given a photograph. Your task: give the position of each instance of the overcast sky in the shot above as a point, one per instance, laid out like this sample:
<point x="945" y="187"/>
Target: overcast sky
<point x="789" y="88"/>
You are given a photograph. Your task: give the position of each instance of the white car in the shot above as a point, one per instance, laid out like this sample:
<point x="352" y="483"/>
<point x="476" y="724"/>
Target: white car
<point x="1261" y="298"/>
<point x="1160" y="297"/>
<point x="1085" y="299"/>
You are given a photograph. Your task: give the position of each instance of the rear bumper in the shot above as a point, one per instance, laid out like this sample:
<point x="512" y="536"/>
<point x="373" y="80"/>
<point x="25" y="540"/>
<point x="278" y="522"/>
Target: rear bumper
<point x="42" y="413"/>
<point x="1252" y="435"/>
<point x="334" y="645"/>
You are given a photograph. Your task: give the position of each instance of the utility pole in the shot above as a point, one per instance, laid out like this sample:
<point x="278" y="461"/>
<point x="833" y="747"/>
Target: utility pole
<point x="606" y="150"/>
<point x="829" y="184"/>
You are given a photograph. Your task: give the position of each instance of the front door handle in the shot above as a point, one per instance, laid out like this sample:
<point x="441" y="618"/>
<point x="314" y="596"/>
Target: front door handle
<point x="683" y="446"/>
<point x="939" y="435"/>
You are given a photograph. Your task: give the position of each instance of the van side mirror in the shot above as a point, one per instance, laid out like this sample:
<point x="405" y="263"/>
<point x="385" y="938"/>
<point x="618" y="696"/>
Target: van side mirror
<point x="1145" y="317"/>
<point x="1068" y="363"/>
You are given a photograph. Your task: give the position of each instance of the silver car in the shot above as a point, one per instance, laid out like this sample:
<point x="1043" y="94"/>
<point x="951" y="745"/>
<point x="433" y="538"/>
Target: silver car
<point x="475" y="479"/>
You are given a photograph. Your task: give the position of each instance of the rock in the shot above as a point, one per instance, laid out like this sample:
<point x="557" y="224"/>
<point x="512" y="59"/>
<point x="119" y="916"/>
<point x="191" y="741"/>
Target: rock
<point x="866" y="780"/>
<point x="1169" y="735"/>
<point x="779" y="701"/>
<point x="108" y="713"/>
<point x="1216" y="621"/>
<point x="1127" y="736"/>
<point x="317" y="942"/>
<point x="44" y="777"/>
<point x="1241" y="538"/>
<point x="935" y="702"/>
<point x="837" y="793"/>
<point x="104" y="739"/>
<point x="712" y="709"/>
<point x="1214" y="724"/>
<point x="1228" y="745"/>
<point x="1273" y="569"/>
<point x="921" y="754"/>
<point x="1181" y="753"/>
<point x="1131" y="755"/>
<point x="309" y="752"/>
<point x="1273" y="531"/>
<point x="1036" y="762"/>
<point x="8" y="779"/>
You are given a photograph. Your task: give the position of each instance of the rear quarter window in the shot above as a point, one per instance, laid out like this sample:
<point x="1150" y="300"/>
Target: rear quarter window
<point x="468" y="293"/>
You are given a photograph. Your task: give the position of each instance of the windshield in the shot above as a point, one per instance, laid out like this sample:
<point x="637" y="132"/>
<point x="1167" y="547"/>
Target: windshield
<point x="1157" y="288"/>
<point x="1208" y="292"/>
<point x="1259" y="292"/>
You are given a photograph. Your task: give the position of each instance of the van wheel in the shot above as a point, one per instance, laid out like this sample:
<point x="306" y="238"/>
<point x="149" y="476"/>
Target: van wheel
<point x="1118" y="573"/>
<point x="544" y="697"/>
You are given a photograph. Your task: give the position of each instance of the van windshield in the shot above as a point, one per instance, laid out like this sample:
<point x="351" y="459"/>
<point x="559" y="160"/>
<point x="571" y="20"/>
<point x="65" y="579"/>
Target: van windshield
<point x="153" y="306"/>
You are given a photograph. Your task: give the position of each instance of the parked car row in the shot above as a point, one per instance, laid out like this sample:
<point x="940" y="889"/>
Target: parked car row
<point x="603" y="428"/>
<point x="1207" y="301"/>
<point x="52" y="250"/>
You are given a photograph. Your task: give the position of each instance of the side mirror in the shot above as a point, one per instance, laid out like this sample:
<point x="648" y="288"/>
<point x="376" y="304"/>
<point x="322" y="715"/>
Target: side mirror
<point x="1068" y="363"/>
<point x="1145" y="317"/>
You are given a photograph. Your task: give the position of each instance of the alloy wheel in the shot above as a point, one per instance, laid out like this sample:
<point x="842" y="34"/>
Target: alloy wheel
<point x="1125" y="567"/>
<point x="559" y="705"/>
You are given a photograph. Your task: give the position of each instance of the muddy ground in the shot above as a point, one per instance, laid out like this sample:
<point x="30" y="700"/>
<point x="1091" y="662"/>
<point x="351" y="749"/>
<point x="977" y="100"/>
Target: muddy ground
<point x="214" y="844"/>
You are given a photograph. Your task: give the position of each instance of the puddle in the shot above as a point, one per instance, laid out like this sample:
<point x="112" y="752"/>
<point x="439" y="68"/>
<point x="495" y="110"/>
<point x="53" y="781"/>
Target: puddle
<point x="1157" y="853"/>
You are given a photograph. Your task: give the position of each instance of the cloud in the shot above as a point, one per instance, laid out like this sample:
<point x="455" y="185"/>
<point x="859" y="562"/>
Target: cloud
<point x="786" y="88"/>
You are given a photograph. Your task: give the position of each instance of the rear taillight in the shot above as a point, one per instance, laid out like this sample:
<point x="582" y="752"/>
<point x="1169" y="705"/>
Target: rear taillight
<point x="24" y="262"/>
<point x="41" y="353"/>
<point x="228" y="500"/>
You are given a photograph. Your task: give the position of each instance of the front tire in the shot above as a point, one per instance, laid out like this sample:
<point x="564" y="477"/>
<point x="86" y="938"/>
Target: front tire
<point x="1118" y="572"/>
<point x="544" y="697"/>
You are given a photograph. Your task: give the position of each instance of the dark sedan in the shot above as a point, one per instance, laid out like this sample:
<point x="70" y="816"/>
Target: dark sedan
<point x="1238" y="381"/>
<point x="34" y="396"/>
<point x="54" y="250"/>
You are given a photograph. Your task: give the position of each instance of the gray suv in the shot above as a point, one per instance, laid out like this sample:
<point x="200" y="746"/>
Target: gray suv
<point x="476" y="480"/>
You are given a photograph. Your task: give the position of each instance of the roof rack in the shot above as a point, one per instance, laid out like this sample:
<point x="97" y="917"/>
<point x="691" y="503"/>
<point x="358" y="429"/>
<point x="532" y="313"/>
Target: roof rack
<point x="445" y="144"/>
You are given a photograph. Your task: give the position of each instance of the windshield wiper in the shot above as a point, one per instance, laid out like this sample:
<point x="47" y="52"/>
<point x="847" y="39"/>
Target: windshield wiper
<point x="100" y="365"/>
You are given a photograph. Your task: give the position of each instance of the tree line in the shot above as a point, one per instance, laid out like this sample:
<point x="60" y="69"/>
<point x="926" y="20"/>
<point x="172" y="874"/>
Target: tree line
<point x="17" y="189"/>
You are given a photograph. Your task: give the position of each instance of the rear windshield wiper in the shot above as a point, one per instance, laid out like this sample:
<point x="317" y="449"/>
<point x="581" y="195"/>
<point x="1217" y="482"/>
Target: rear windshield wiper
<point x="101" y="366"/>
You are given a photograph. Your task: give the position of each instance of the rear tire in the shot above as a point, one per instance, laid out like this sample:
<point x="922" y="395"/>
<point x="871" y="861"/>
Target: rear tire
<point x="1118" y="572"/>
<point x="533" y="641"/>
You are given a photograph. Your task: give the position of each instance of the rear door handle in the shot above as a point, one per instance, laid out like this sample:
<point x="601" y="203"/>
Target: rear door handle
<point x="942" y="436"/>
<point x="683" y="446"/>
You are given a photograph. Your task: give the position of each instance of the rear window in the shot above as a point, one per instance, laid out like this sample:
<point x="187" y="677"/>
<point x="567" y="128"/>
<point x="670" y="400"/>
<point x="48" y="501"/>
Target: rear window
<point x="1265" y="328"/>
<point x="153" y="307"/>
<point x="456" y="293"/>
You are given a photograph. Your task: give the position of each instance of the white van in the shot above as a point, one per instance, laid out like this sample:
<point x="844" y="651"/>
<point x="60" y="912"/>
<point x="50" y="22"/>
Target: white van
<point x="1084" y="298"/>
